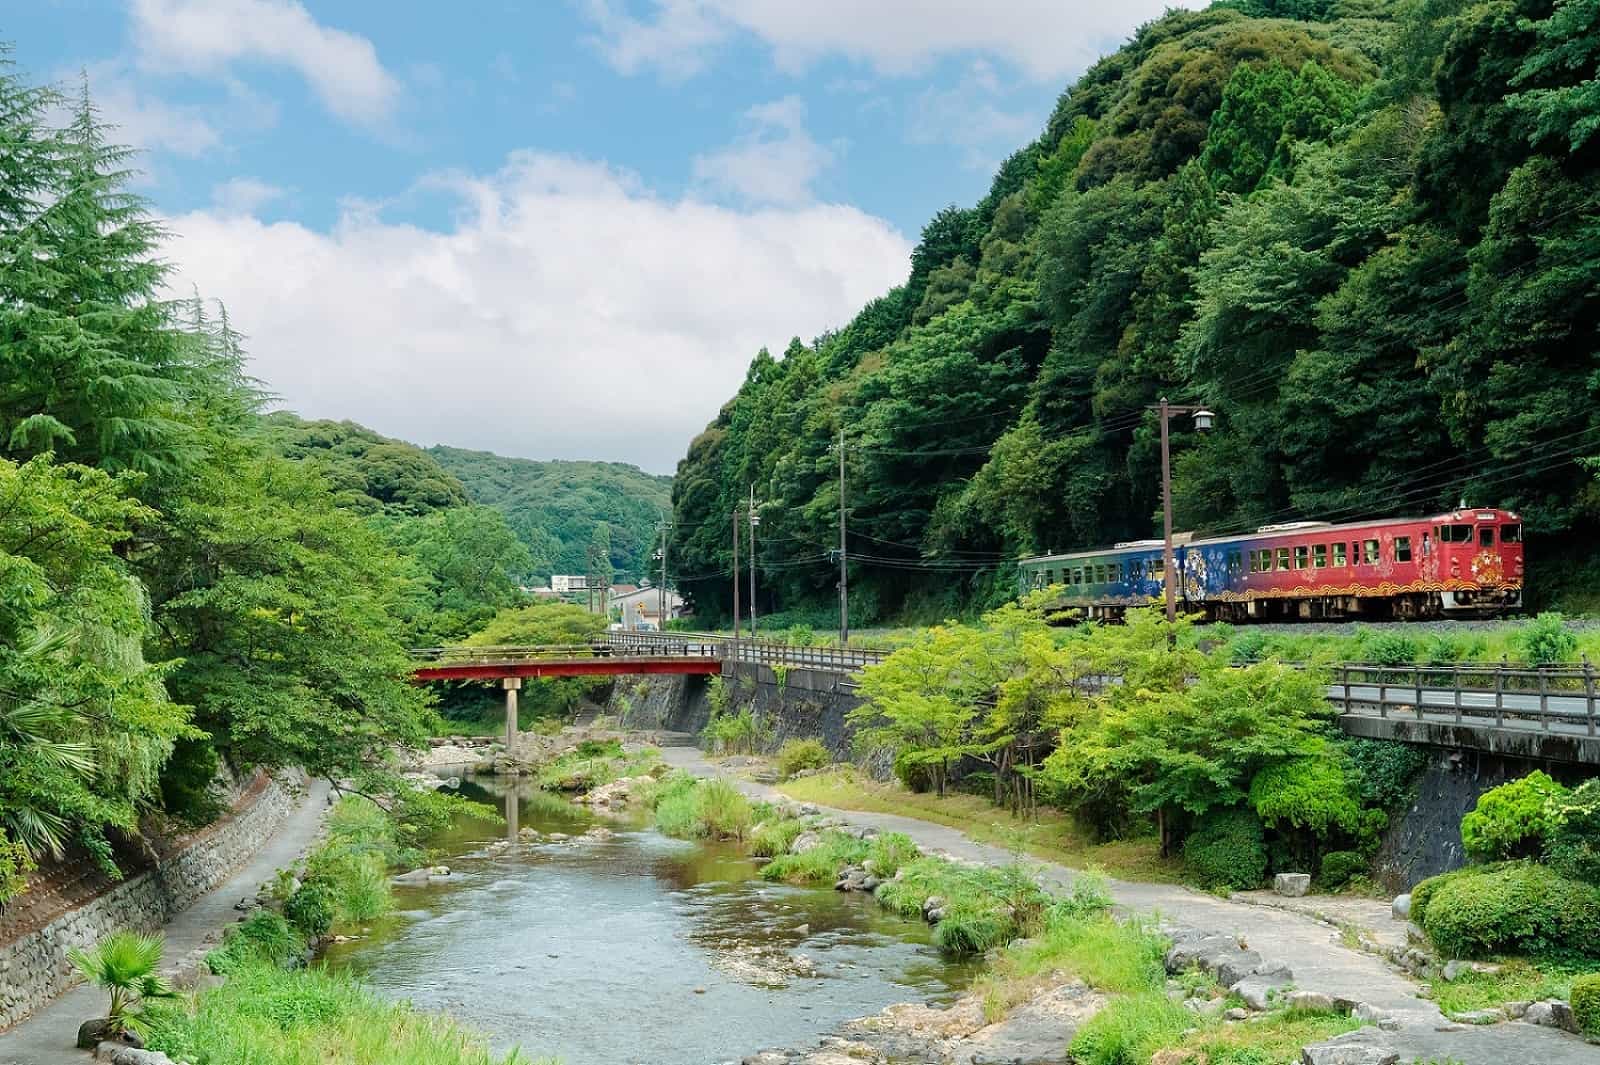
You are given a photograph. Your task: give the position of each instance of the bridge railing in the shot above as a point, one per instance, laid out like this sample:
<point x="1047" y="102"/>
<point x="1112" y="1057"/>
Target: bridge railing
<point x="1550" y="699"/>
<point x="769" y="652"/>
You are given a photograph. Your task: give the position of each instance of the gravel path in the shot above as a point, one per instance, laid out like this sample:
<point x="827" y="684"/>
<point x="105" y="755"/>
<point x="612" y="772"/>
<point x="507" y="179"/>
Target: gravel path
<point x="1312" y="949"/>
<point x="48" y="1037"/>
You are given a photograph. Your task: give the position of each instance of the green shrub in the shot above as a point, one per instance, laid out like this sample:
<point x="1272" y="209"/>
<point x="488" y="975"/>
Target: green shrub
<point x="973" y="929"/>
<point x="599" y="749"/>
<point x="1385" y="771"/>
<point x="1585" y="1001"/>
<point x="1546" y="641"/>
<point x="1512" y="908"/>
<point x="1389" y="648"/>
<point x="1306" y="793"/>
<point x="800" y="636"/>
<point x="311" y="910"/>
<point x="1572" y="845"/>
<point x="889" y="851"/>
<point x="820" y="864"/>
<point x="737" y="733"/>
<point x="798" y="755"/>
<point x="1511" y="821"/>
<point x="1227" y="850"/>
<point x="703" y="809"/>
<point x="1338" y="867"/>
<point x="772" y="838"/>
<point x="1247" y="647"/>
<point x="264" y="937"/>
<point x="1130" y="1029"/>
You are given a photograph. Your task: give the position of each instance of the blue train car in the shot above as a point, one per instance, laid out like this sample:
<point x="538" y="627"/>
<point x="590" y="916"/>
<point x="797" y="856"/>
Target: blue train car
<point x="1103" y="582"/>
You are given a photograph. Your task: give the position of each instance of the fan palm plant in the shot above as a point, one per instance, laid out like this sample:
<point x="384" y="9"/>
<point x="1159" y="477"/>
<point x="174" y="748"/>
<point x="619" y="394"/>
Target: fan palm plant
<point x="124" y="963"/>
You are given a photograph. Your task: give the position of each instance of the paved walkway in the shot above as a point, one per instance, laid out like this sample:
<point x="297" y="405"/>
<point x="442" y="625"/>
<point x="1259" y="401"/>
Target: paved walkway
<point x="1312" y="949"/>
<point x="48" y="1037"/>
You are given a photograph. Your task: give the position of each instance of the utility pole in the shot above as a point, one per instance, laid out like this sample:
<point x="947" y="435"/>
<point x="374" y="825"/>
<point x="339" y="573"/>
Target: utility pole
<point x="1169" y="575"/>
<point x="736" y="576"/>
<point x="1166" y="523"/>
<point x="754" y="521"/>
<point x="661" y="615"/>
<point x="844" y="577"/>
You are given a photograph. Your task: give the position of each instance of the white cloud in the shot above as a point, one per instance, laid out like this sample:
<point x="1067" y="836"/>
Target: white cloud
<point x="567" y="313"/>
<point x="1048" y="39"/>
<point x="204" y="36"/>
<point x="774" y="161"/>
<point x="244" y="195"/>
<point x="145" y="120"/>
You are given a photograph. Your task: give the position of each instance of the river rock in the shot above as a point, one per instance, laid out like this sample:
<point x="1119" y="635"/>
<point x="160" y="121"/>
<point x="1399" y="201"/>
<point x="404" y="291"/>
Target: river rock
<point x="1291" y="885"/>
<point x="1400" y="908"/>
<point x="805" y="841"/>
<point x="1232" y="966"/>
<point x="766" y="1057"/>
<point x="1189" y="948"/>
<point x="1260" y="989"/>
<point x="135" y="1056"/>
<point x="92" y="1033"/>
<point x="1371" y="1014"/>
<point x="1313" y="1000"/>
<point x="1551" y="1013"/>
<point x="1361" y="1047"/>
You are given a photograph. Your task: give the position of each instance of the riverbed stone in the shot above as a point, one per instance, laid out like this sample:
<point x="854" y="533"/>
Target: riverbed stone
<point x="1259" y="990"/>
<point x="1190" y="951"/>
<point x="1291" y="885"/>
<point x="1551" y="1013"/>
<point x="1232" y="966"/>
<point x="92" y="1033"/>
<point x="1361" y="1047"/>
<point x="1371" y="1014"/>
<point x="805" y="841"/>
<point x="1400" y="908"/>
<point x="1478" y="1017"/>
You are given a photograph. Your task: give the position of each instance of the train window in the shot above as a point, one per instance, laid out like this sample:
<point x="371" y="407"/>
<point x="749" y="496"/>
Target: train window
<point x="1255" y="562"/>
<point x="1369" y="553"/>
<point x="1158" y="569"/>
<point x="1338" y="554"/>
<point x="1300" y="556"/>
<point x="1235" y="562"/>
<point x="1319" y="556"/>
<point x="1077" y="576"/>
<point x="1283" y="558"/>
<point x="1402" y="549"/>
<point x="1355" y="552"/>
<point x="1486" y="536"/>
<point x="1455" y="534"/>
<point x="1114" y="572"/>
<point x="1511" y="534"/>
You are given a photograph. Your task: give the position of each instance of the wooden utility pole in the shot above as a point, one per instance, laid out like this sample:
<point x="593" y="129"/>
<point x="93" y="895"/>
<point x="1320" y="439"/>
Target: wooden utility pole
<point x="754" y="521"/>
<point x="736" y="574"/>
<point x="661" y="615"/>
<point x="844" y="575"/>
<point x="1167" y="574"/>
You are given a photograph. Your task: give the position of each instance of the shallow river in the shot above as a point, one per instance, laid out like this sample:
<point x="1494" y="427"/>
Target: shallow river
<point x="636" y="948"/>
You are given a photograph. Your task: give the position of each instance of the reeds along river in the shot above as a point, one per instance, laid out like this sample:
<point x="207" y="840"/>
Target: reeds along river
<point x="621" y="946"/>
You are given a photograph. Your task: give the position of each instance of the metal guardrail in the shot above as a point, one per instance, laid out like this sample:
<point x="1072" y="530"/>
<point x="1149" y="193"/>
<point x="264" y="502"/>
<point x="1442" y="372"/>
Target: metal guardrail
<point x="769" y="652"/>
<point x="1550" y="699"/>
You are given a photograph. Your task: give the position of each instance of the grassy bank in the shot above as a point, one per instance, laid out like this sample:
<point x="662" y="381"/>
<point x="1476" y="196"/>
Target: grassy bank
<point x="1048" y="834"/>
<point x="265" y="1015"/>
<point x="594" y="763"/>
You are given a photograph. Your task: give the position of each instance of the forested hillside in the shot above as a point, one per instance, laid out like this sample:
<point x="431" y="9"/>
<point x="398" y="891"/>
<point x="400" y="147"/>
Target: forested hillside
<point x="1366" y="233"/>
<point x="557" y="507"/>
<point x="180" y="578"/>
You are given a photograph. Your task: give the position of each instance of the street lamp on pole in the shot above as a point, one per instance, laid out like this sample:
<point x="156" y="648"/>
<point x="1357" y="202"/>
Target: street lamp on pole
<point x="1202" y="423"/>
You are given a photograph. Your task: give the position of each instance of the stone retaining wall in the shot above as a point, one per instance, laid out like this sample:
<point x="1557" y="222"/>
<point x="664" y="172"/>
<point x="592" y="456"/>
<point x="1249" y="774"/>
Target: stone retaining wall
<point x="34" y="968"/>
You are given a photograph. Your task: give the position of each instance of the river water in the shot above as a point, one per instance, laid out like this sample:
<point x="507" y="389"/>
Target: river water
<point x="637" y="948"/>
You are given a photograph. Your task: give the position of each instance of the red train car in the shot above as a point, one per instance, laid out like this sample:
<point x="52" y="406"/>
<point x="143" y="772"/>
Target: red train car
<point x="1465" y="563"/>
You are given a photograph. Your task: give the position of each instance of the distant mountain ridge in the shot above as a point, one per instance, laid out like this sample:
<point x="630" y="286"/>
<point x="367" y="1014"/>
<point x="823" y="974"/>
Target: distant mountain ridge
<point x="554" y="506"/>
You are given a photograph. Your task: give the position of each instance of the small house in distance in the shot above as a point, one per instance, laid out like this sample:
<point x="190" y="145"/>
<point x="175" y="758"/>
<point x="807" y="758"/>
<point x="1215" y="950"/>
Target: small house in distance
<point x="641" y="608"/>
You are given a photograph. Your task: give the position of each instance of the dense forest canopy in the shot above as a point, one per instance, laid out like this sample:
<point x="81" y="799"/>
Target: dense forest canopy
<point x="1366" y="233"/>
<point x="557" y="507"/>
<point x="183" y="579"/>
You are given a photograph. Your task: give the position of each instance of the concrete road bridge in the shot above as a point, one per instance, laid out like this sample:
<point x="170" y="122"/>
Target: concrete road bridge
<point x="1546" y="714"/>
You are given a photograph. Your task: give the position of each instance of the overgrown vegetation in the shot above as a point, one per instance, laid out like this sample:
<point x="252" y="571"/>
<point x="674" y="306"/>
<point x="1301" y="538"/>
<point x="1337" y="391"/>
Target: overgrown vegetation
<point x="1237" y="768"/>
<point x="691" y="808"/>
<point x="797" y="756"/>
<point x="265" y="1015"/>
<point x="1344" y="224"/>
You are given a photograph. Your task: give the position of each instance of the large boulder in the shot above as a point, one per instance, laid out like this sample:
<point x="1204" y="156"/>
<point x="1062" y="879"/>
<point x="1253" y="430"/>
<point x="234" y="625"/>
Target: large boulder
<point x="1361" y="1047"/>
<point x="1262" y="988"/>
<point x="92" y="1033"/>
<point x="1400" y="908"/>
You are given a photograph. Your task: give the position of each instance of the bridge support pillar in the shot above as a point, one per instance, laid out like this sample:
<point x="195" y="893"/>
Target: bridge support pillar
<point x="512" y="685"/>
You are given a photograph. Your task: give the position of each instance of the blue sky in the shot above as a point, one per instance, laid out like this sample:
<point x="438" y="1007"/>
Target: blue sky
<point x="561" y="228"/>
